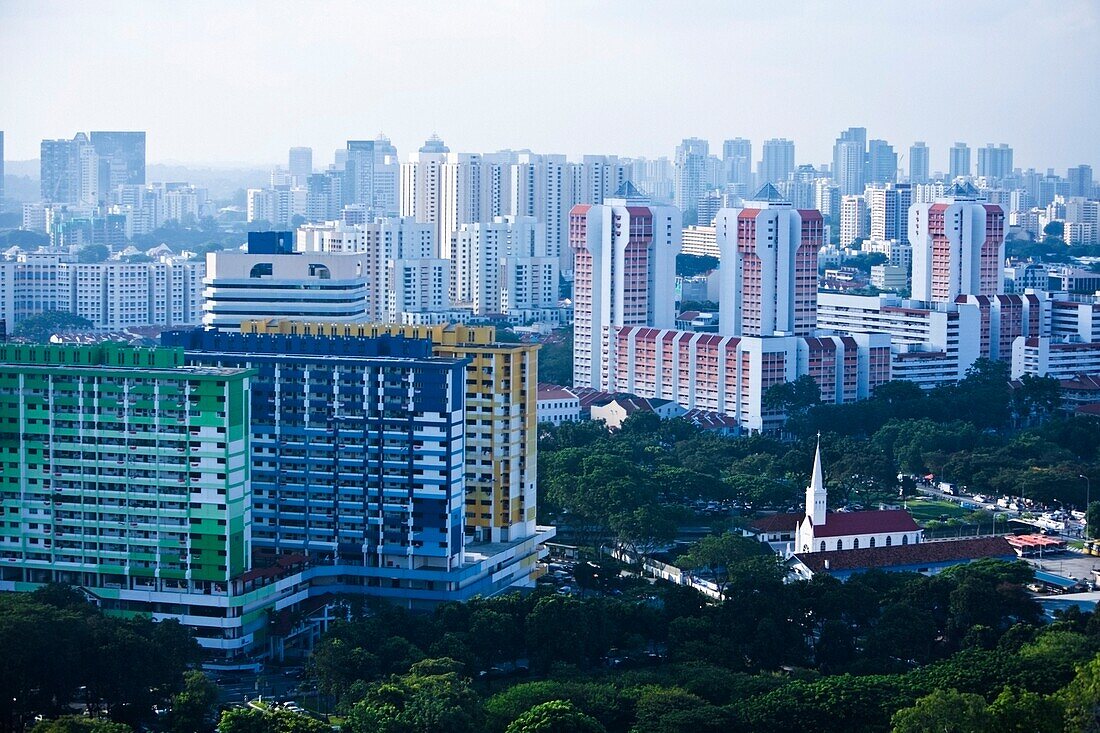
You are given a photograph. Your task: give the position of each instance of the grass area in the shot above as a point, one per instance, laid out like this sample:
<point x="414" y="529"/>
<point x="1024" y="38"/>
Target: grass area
<point x="926" y="510"/>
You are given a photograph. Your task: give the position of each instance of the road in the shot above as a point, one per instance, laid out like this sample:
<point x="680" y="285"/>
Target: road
<point x="1072" y="534"/>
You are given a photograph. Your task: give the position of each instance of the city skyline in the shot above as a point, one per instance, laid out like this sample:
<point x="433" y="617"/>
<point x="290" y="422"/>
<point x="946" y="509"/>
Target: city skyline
<point x="251" y="67"/>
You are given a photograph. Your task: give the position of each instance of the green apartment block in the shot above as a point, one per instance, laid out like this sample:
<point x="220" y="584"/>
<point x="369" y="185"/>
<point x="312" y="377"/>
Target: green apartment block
<point x="127" y="474"/>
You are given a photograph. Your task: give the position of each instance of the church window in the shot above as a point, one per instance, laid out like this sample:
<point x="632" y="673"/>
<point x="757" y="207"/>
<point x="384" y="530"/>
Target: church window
<point x="823" y="545"/>
<point x="905" y="539"/>
<point x="855" y="543"/>
<point x="889" y="540"/>
<point x="840" y="544"/>
<point x="872" y="542"/>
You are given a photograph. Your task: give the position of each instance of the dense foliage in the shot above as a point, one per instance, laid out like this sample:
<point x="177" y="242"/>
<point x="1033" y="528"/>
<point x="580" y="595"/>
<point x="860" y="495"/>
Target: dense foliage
<point x="820" y="655"/>
<point x="38" y="329"/>
<point x="59" y="649"/>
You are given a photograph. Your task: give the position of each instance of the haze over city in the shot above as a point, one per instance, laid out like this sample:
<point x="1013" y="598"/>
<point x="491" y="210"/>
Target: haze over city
<point x="232" y="83"/>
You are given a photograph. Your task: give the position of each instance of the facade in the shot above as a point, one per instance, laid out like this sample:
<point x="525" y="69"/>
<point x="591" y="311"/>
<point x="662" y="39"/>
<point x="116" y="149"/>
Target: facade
<point x="700" y="241"/>
<point x="918" y="163"/>
<point x="502" y="265"/>
<point x="889" y="277"/>
<point x="126" y="473"/>
<point x="690" y="172"/>
<point x="882" y="162"/>
<point x="111" y="294"/>
<point x="776" y="162"/>
<point x="995" y="162"/>
<point x="853" y="219"/>
<point x="958" y="247"/>
<point x="300" y="163"/>
<point x="243" y="286"/>
<point x="501" y="417"/>
<point x="959" y="162"/>
<point x="849" y="161"/>
<point x="624" y="255"/>
<point x="768" y="280"/>
<point x="557" y="404"/>
<point x="888" y="207"/>
<point x="1044" y="356"/>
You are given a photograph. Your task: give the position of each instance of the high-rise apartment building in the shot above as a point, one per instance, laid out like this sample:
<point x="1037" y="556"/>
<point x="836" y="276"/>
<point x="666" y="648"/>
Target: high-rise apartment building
<point x="918" y="163"/>
<point x="888" y="208"/>
<point x="882" y="162"/>
<point x="126" y="473"/>
<point x="422" y="187"/>
<point x="1078" y="180"/>
<point x="690" y="162"/>
<point x="542" y="186"/>
<point x="959" y="161"/>
<point x="737" y="163"/>
<point x="501" y="423"/>
<point x="1" y="171"/>
<point x="853" y="219"/>
<point x="59" y="162"/>
<point x="777" y="161"/>
<point x="624" y="268"/>
<point x="995" y="161"/>
<point x="300" y="163"/>
<point x="850" y="161"/>
<point x="958" y="247"/>
<point x="768" y="277"/>
<point x="502" y="266"/>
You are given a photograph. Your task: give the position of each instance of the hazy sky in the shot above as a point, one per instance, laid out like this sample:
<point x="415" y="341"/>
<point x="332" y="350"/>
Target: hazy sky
<point x="231" y="82"/>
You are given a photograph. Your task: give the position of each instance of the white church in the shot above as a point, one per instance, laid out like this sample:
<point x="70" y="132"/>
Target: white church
<point x="820" y="530"/>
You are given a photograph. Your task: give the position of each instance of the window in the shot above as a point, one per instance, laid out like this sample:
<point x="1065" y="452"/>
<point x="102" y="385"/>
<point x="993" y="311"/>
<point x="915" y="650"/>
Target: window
<point x="840" y="544"/>
<point x="872" y="542"/>
<point x="905" y="539"/>
<point x="823" y="545"/>
<point x="889" y="540"/>
<point x="855" y="543"/>
<point x="261" y="269"/>
<point x="320" y="271"/>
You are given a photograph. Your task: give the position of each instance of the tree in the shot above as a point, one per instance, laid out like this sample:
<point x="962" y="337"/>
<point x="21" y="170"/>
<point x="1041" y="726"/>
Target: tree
<point x="80" y="724"/>
<point x="1018" y="711"/>
<point x="643" y="530"/>
<point x="1081" y="699"/>
<point x="793" y="398"/>
<point x="944" y="711"/>
<point x="1092" y="519"/>
<point x="251" y="720"/>
<point x="38" y="329"/>
<point x="193" y="707"/>
<point x="423" y="701"/>
<point x="93" y="253"/>
<point x="692" y="265"/>
<point x="556" y="716"/>
<point x="1036" y="398"/>
<point x="716" y="557"/>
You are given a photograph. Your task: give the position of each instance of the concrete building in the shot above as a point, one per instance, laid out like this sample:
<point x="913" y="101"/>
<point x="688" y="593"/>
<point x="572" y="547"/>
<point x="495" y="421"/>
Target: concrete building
<point x="888" y="209"/>
<point x="959" y="162"/>
<point x="918" y="163"/>
<point x="853" y="219"/>
<point x="769" y="273"/>
<point x="300" y="163"/>
<point x="776" y="162"/>
<point x="958" y="247"/>
<point x="889" y="277"/>
<point x="243" y="286"/>
<point x="690" y="182"/>
<point x="700" y="241"/>
<point x="995" y="162"/>
<point x="849" y="161"/>
<point x="624" y="254"/>
<point x="557" y="404"/>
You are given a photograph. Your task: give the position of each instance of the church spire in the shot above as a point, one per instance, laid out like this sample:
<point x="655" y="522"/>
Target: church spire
<point x="815" y="492"/>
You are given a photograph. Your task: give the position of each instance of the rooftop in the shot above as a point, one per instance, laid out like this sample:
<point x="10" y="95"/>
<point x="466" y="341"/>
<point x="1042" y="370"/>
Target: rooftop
<point x="904" y="555"/>
<point x="842" y="524"/>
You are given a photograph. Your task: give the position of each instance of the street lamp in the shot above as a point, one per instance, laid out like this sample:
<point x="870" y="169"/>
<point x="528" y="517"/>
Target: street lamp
<point x="1088" y="493"/>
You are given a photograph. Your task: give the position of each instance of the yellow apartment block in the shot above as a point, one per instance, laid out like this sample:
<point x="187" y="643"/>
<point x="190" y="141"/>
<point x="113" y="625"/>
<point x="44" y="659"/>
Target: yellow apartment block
<point x="501" y="416"/>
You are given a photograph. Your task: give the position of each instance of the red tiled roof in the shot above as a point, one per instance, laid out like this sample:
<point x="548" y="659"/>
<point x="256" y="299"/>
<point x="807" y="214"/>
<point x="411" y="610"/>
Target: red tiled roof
<point x="777" y="523"/>
<point x="897" y="555"/>
<point x="554" y="392"/>
<point x="839" y="524"/>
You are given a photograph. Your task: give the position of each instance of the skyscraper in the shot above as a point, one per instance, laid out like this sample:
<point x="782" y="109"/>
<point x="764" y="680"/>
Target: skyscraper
<point x="1078" y="178"/>
<point x="125" y="153"/>
<point x="882" y="162"/>
<point x="1" y="171"/>
<point x="889" y="211"/>
<point x="958" y="246"/>
<point x="300" y="163"/>
<point x="422" y="187"/>
<point x="777" y="161"/>
<point x="918" y="163"/>
<point x="59" y="165"/>
<point x="769" y="266"/>
<point x="853" y="219"/>
<point x="737" y="163"/>
<point x="387" y="178"/>
<point x="995" y="162"/>
<point x="850" y="160"/>
<point x="691" y="163"/>
<point x="359" y="175"/>
<point x="960" y="161"/>
<point x="624" y="267"/>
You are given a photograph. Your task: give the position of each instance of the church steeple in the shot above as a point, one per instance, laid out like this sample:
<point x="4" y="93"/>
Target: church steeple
<point x="815" y="492"/>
